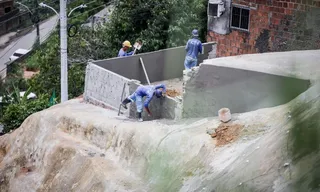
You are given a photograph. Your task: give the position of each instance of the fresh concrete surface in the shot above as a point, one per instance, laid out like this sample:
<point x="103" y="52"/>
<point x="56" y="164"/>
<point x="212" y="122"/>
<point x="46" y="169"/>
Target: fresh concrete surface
<point x="209" y="88"/>
<point x="249" y="82"/>
<point x="160" y="65"/>
<point x="299" y="64"/>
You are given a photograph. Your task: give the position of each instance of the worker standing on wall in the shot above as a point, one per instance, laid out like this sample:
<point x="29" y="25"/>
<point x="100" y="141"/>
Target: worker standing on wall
<point x="123" y="52"/>
<point x="193" y="48"/>
<point x="147" y="91"/>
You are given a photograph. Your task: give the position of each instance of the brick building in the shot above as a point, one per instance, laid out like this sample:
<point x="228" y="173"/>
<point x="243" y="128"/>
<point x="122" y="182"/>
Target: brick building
<point x="257" y="26"/>
<point x="11" y="17"/>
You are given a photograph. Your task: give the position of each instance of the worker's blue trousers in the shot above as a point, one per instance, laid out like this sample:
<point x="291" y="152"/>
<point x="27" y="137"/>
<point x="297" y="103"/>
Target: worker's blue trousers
<point x="190" y="62"/>
<point x="138" y="99"/>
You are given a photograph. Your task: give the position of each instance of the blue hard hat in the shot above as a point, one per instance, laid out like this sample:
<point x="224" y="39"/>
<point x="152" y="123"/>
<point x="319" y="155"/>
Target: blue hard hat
<point x="158" y="93"/>
<point x="195" y="33"/>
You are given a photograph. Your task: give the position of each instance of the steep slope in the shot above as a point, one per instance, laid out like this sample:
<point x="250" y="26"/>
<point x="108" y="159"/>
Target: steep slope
<point x="80" y="147"/>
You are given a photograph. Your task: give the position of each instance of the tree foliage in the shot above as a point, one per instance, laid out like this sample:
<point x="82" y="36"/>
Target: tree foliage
<point x="16" y="113"/>
<point x="48" y="79"/>
<point x="159" y="24"/>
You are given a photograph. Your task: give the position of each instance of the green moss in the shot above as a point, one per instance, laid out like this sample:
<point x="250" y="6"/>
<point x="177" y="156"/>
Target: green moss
<point x="165" y="172"/>
<point x="305" y="140"/>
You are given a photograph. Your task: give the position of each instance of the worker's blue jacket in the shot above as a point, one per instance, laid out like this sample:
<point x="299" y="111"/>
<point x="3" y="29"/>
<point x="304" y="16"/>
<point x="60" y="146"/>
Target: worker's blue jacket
<point x="148" y="91"/>
<point x="193" y="48"/>
<point x="122" y="53"/>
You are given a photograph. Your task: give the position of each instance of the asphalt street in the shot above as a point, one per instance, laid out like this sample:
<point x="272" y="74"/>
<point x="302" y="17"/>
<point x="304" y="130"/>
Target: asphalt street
<point x="27" y="41"/>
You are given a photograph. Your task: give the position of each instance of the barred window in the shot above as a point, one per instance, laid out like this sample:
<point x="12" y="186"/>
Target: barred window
<point x="213" y="9"/>
<point x="240" y="18"/>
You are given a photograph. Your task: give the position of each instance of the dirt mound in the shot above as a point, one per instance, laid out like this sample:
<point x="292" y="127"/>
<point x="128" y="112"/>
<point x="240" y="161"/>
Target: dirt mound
<point x="173" y="92"/>
<point x="227" y="133"/>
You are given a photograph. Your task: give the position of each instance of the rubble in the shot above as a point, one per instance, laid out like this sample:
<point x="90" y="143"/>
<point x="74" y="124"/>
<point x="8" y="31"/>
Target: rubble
<point x="227" y="133"/>
<point x="174" y="86"/>
<point x="173" y="93"/>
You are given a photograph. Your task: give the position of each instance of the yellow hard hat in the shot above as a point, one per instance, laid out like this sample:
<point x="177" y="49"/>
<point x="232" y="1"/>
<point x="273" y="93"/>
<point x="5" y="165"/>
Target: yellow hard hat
<point x="126" y="44"/>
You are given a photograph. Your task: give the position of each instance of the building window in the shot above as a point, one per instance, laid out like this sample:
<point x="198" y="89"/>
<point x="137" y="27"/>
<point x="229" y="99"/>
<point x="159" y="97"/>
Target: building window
<point x="240" y="18"/>
<point x="7" y="9"/>
<point x="213" y="10"/>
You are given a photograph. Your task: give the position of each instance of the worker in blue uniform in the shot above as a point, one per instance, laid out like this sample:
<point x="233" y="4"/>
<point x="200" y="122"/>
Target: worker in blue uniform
<point x="148" y="91"/>
<point x="193" y="48"/>
<point x="123" y="52"/>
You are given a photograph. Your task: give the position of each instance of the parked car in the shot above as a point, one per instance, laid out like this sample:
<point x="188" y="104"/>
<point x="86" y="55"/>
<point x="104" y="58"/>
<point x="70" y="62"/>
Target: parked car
<point x="18" y="53"/>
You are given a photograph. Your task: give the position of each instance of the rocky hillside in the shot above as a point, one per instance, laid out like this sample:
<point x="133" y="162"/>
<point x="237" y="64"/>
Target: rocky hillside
<point x="80" y="147"/>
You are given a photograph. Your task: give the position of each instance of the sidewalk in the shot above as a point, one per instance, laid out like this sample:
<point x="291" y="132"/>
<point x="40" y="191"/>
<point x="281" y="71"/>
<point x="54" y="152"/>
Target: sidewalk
<point x="6" y="38"/>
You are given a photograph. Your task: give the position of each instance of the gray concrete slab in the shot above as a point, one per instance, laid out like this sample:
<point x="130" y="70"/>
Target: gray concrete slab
<point x="104" y="87"/>
<point x="211" y="87"/>
<point x="160" y="65"/>
<point x="300" y="64"/>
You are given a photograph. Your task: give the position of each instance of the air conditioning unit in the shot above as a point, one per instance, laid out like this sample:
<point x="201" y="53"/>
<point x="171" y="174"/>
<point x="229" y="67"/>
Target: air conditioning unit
<point x="216" y="8"/>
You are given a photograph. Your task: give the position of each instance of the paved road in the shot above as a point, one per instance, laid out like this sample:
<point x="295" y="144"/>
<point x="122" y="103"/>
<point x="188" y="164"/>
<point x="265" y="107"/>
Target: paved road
<point x="27" y="41"/>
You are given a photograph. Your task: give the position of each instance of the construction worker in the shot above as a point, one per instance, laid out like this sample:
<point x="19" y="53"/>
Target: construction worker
<point x="123" y="52"/>
<point x="147" y="91"/>
<point x="193" y="48"/>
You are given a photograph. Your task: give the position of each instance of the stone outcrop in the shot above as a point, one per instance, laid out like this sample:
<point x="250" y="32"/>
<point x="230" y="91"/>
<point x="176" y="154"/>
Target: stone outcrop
<point x="80" y="147"/>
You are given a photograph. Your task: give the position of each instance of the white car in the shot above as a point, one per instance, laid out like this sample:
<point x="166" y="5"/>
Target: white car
<point x="18" y="53"/>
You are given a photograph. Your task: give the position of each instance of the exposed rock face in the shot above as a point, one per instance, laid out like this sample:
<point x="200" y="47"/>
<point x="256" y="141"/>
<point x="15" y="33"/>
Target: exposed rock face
<point x="80" y="147"/>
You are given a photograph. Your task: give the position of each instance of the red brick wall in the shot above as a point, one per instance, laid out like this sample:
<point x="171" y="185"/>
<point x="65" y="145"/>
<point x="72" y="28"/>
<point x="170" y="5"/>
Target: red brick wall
<point x="275" y="25"/>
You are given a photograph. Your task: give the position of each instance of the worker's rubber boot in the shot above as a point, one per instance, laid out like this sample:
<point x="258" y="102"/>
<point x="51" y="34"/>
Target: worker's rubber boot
<point x="125" y="102"/>
<point x="140" y="117"/>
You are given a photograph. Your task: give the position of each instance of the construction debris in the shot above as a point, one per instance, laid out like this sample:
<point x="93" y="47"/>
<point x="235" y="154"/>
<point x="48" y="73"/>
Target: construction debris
<point x="174" y="87"/>
<point x="224" y="115"/>
<point x="286" y="164"/>
<point x="173" y="93"/>
<point x="211" y="131"/>
<point x="227" y="133"/>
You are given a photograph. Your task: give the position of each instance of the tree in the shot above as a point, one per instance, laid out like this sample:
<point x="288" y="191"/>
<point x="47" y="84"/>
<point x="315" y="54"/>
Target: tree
<point x="159" y="23"/>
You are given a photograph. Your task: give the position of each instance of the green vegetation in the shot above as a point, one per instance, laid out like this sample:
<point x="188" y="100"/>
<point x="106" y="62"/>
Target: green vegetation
<point x="159" y="24"/>
<point x="165" y="172"/>
<point x="20" y="108"/>
<point x="305" y="144"/>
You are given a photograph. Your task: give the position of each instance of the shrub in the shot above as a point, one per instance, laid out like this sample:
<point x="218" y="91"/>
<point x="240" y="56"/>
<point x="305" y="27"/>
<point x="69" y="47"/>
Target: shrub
<point x="16" y="113"/>
<point x="32" y="65"/>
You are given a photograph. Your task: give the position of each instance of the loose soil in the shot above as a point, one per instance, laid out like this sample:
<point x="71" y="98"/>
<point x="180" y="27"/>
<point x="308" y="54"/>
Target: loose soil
<point x="227" y="133"/>
<point x="174" y="86"/>
<point x="173" y="92"/>
<point x="29" y="74"/>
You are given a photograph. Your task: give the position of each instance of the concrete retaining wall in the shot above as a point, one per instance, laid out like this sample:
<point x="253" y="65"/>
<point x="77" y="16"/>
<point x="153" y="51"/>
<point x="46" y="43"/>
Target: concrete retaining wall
<point x="104" y="87"/>
<point x="209" y="88"/>
<point x="160" y="65"/>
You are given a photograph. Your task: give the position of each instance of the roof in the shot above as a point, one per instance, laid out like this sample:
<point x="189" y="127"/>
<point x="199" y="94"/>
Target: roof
<point x="105" y="12"/>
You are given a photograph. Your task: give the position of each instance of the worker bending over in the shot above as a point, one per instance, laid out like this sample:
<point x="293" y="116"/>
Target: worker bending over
<point x="193" y="48"/>
<point x="123" y="52"/>
<point x="147" y="91"/>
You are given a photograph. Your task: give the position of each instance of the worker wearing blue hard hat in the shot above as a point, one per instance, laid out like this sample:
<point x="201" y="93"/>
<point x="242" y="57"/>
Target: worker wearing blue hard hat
<point x="193" y="48"/>
<point x="147" y="91"/>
